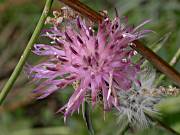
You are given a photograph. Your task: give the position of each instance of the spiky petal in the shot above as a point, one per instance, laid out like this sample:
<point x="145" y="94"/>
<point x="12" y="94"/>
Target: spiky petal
<point x="100" y="61"/>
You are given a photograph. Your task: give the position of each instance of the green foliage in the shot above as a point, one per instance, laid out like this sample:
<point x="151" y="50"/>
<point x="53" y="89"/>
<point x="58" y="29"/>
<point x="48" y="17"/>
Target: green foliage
<point x="17" y="22"/>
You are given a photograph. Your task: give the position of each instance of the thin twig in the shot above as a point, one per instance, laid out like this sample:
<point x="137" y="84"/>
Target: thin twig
<point x="158" y="62"/>
<point x="26" y="52"/>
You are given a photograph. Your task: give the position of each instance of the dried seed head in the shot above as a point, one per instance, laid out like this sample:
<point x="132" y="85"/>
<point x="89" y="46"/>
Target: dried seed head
<point x="65" y="13"/>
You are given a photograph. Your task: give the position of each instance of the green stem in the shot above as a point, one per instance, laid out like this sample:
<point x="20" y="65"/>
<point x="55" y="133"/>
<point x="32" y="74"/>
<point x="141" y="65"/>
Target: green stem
<point x="162" y="124"/>
<point x="87" y="118"/>
<point x="172" y="62"/>
<point x="26" y="52"/>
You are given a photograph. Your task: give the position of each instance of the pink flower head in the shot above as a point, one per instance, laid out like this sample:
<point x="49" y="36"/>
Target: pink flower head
<point x="99" y="61"/>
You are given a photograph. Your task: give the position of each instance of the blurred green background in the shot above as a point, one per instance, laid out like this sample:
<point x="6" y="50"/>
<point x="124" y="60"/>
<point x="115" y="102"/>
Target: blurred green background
<point x="21" y="115"/>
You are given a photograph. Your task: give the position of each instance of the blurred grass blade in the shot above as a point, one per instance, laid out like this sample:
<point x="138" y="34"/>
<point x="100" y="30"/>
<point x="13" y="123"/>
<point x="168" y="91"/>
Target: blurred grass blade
<point x="9" y="52"/>
<point x="156" y="118"/>
<point x="172" y="62"/>
<point x="87" y="118"/>
<point x="170" y="105"/>
<point x="5" y="35"/>
<point x="158" y="45"/>
<point x="44" y="131"/>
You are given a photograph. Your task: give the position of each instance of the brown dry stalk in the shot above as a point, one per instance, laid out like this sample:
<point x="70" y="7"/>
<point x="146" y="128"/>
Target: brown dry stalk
<point x="158" y="62"/>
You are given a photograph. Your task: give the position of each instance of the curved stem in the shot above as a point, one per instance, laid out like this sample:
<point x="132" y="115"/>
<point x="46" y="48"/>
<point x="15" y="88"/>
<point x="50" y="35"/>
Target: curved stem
<point x="158" y="62"/>
<point x="26" y="52"/>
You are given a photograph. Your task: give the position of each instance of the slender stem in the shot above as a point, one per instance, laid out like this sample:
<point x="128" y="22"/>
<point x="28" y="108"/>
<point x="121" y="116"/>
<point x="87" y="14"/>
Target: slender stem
<point x="87" y="117"/>
<point x="172" y="62"/>
<point x="158" y="62"/>
<point x="162" y="124"/>
<point x="26" y="52"/>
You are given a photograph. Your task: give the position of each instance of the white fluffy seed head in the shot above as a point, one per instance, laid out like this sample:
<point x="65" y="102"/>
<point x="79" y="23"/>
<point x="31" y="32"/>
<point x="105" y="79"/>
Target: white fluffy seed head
<point x="135" y="102"/>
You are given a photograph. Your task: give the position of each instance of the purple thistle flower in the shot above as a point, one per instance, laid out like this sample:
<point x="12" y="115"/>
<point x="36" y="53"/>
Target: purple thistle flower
<point x="100" y="61"/>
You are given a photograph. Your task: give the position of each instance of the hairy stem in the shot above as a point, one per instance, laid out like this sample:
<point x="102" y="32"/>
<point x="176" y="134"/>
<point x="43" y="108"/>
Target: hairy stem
<point x="158" y="62"/>
<point x="26" y="52"/>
